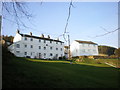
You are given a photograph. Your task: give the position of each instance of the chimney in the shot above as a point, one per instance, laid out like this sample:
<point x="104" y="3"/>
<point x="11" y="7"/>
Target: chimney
<point x="18" y="31"/>
<point x="48" y="36"/>
<point x="42" y="36"/>
<point x="31" y="33"/>
<point x="58" y="39"/>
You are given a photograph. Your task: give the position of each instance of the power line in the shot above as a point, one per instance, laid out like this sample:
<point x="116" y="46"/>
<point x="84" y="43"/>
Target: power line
<point x="107" y="33"/>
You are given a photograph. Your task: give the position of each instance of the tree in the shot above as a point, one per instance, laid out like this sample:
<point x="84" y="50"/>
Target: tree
<point x="8" y="38"/>
<point x="106" y="50"/>
<point x="117" y="52"/>
<point x="16" y="10"/>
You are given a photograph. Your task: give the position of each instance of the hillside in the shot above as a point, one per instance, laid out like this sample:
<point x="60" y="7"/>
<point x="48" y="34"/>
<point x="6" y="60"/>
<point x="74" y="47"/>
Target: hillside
<point x="32" y="73"/>
<point x="106" y="50"/>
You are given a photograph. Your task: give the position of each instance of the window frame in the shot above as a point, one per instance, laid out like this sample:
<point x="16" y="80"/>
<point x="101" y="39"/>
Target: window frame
<point x="25" y="38"/>
<point x="17" y="45"/>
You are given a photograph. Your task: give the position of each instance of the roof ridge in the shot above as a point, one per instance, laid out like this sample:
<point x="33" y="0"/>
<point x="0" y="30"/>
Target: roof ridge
<point x="89" y="42"/>
<point x="40" y="37"/>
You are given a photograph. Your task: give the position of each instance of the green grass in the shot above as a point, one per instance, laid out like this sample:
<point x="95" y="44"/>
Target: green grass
<point x="32" y="73"/>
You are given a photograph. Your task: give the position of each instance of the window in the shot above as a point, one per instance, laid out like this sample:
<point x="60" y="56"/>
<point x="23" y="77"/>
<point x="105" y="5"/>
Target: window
<point x="56" y="55"/>
<point x="83" y="50"/>
<point x="46" y="44"/>
<point x="25" y="38"/>
<point x="61" y="43"/>
<point x="25" y="46"/>
<point x="44" y="41"/>
<point x="56" y="48"/>
<point x="31" y="53"/>
<point x="44" y="54"/>
<point x="39" y="55"/>
<point x="56" y="42"/>
<point x="39" y="40"/>
<point x="31" y="46"/>
<point x="25" y="53"/>
<point x="44" y="48"/>
<point x="18" y="45"/>
<point x="61" y="49"/>
<point x="51" y="48"/>
<point x="39" y="47"/>
<point x="31" y="39"/>
<point x="94" y="50"/>
<point x="50" y="41"/>
<point x="51" y="54"/>
<point x="89" y="50"/>
<point x="83" y="45"/>
<point x="61" y="55"/>
<point x="17" y="51"/>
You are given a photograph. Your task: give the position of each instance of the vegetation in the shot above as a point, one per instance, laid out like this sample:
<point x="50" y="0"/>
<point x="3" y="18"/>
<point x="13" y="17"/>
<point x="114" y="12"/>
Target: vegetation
<point x="8" y="38"/>
<point x="117" y="52"/>
<point x="33" y="73"/>
<point x="106" y="50"/>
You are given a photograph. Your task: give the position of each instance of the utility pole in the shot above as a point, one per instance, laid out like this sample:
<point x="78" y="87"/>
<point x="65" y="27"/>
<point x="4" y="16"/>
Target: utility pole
<point x="69" y="53"/>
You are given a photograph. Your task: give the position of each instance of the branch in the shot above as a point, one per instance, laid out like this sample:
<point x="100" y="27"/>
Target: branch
<point x="16" y="10"/>
<point x="69" y="13"/>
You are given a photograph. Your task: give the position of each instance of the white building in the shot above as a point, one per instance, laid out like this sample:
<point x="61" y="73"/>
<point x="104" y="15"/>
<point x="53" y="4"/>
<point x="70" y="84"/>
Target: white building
<point x="36" y="47"/>
<point x="83" y="48"/>
<point x="66" y="48"/>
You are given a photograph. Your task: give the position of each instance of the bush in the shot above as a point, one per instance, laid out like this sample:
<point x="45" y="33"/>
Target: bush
<point x="6" y="54"/>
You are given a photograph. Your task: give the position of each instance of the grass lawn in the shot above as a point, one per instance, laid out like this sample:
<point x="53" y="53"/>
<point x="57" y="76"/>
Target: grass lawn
<point x="33" y="73"/>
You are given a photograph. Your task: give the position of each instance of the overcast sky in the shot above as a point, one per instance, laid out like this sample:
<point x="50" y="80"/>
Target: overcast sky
<point x="87" y="20"/>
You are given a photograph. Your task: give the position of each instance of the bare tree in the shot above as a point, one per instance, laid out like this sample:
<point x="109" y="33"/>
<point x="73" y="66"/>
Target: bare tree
<point x="16" y="10"/>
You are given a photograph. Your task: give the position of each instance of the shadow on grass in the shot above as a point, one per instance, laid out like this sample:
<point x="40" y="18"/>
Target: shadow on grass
<point x="23" y="73"/>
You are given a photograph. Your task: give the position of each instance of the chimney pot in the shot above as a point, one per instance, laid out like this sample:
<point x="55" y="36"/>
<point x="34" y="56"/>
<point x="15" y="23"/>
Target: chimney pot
<point x="31" y="33"/>
<point x="42" y="36"/>
<point x="18" y="31"/>
<point x="48" y="36"/>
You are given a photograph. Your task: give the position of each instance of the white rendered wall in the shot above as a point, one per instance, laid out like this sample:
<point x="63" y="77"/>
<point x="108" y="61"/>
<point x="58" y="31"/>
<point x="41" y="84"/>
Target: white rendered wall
<point x="81" y="49"/>
<point x="35" y="50"/>
<point x="17" y="37"/>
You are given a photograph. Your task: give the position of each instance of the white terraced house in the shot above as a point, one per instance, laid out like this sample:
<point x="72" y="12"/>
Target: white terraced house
<point x="36" y="47"/>
<point x="83" y="48"/>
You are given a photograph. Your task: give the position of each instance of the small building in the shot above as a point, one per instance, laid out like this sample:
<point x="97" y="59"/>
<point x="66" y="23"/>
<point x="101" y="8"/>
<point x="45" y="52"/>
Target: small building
<point x="36" y="47"/>
<point x="83" y="48"/>
<point x="66" y="48"/>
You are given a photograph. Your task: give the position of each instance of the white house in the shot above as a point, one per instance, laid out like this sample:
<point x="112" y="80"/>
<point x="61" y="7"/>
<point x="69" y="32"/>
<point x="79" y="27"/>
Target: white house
<point x="36" y="47"/>
<point x="83" y="48"/>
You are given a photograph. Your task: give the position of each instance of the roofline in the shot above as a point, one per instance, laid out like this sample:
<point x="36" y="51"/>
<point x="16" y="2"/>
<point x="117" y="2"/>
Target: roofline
<point x="40" y="38"/>
<point x="86" y="42"/>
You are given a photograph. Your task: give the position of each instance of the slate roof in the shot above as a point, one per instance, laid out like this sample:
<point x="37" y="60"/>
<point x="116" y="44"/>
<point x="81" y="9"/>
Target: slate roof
<point x="25" y="35"/>
<point x="86" y="42"/>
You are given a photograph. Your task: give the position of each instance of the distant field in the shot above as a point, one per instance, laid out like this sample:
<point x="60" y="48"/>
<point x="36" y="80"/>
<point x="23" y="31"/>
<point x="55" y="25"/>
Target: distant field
<point x="33" y="73"/>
